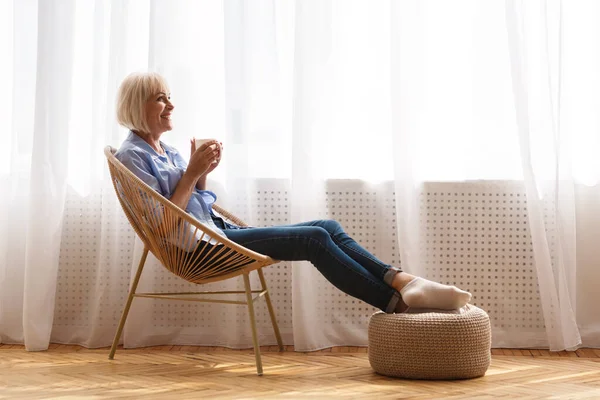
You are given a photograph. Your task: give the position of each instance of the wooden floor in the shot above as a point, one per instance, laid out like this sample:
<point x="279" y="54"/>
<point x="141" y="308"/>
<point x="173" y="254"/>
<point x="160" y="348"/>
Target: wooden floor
<point x="185" y="372"/>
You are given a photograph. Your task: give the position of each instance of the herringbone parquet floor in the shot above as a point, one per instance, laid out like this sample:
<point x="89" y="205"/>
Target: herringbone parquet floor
<point x="185" y="372"/>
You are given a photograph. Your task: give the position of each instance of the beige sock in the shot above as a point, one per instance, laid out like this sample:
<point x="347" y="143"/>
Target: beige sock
<point x="422" y="293"/>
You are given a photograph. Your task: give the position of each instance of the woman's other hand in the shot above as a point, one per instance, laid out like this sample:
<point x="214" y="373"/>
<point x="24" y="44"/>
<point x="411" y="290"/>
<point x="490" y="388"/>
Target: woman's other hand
<point x="204" y="159"/>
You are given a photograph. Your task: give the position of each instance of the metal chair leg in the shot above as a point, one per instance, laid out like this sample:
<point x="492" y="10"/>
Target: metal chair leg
<point x="259" y="369"/>
<point x="270" y="307"/>
<point x="136" y="280"/>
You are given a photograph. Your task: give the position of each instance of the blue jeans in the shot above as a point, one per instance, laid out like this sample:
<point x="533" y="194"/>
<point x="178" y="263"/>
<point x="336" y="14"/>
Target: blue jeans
<point x="341" y="260"/>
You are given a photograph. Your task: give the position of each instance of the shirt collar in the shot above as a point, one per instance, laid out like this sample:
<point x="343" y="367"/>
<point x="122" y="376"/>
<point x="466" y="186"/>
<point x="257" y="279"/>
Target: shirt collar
<point x="138" y="141"/>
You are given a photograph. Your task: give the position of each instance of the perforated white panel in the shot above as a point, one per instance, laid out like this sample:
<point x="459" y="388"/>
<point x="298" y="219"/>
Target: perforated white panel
<point x="95" y="262"/>
<point x="474" y="235"/>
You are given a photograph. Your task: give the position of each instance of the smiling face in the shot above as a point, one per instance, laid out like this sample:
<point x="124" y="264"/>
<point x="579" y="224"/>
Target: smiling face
<point x="158" y="112"/>
<point x="144" y="105"/>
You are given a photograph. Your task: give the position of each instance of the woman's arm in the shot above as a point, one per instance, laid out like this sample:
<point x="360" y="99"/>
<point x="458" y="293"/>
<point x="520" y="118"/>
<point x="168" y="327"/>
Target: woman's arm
<point x="201" y="162"/>
<point x="201" y="184"/>
<point x="183" y="191"/>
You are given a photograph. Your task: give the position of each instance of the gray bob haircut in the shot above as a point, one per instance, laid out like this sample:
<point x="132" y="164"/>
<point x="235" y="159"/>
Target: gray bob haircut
<point x="134" y="92"/>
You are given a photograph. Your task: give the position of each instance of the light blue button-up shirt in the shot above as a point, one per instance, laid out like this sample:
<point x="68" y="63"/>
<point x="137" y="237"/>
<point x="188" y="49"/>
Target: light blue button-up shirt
<point x="156" y="171"/>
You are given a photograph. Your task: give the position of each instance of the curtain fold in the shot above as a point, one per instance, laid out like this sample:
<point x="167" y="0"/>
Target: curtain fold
<point x="311" y="121"/>
<point x="48" y="170"/>
<point x="408" y="102"/>
<point x="534" y="30"/>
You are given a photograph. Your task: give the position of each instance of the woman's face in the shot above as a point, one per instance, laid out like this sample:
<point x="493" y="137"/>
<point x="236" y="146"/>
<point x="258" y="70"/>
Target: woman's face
<point x="158" y="113"/>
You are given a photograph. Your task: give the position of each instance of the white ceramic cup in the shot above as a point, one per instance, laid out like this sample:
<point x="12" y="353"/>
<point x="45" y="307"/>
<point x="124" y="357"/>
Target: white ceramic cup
<point x="200" y="142"/>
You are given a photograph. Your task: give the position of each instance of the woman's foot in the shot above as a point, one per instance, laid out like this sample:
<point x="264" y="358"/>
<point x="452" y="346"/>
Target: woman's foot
<point x="419" y="292"/>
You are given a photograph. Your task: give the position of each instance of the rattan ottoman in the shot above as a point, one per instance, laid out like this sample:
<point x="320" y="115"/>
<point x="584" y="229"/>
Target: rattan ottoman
<point x="431" y="344"/>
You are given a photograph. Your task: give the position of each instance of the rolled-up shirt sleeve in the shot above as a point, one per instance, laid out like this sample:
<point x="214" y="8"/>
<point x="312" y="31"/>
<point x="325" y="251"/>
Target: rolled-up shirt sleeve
<point x="208" y="197"/>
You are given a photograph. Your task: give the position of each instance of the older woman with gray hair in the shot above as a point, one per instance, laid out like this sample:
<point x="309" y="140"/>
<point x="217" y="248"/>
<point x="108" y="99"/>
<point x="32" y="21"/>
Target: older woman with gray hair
<point x="145" y="108"/>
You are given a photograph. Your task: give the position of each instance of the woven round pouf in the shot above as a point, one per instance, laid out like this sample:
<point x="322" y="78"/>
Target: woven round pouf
<point x="431" y="345"/>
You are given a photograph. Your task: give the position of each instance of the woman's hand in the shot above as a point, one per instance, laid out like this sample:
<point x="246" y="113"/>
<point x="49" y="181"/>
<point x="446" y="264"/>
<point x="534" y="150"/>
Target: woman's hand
<point x="215" y="163"/>
<point x="205" y="159"/>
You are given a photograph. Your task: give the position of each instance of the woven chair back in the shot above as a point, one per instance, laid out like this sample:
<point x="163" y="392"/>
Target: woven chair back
<point x="184" y="245"/>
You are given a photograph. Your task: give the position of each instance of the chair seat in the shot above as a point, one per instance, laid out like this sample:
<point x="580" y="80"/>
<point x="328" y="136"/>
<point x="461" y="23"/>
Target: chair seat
<point x="431" y="345"/>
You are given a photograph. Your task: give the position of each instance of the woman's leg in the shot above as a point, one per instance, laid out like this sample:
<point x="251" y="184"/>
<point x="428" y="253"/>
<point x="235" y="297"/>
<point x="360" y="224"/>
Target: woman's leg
<point x="416" y="292"/>
<point x="352" y="248"/>
<point x="314" y="244"/>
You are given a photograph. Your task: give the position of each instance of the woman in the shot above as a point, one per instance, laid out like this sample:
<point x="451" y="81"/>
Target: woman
<point x="144" y="106"/>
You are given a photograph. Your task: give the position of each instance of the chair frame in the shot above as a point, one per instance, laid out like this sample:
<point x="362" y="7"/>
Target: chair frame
<point x="258" y="261"/>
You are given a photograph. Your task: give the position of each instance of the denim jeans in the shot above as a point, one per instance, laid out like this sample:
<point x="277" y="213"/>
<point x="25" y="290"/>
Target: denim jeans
<point x="341" y="260"/>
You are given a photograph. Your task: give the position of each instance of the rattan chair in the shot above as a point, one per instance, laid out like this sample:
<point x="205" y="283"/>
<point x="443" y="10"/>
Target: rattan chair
<point x="202" y="255"/>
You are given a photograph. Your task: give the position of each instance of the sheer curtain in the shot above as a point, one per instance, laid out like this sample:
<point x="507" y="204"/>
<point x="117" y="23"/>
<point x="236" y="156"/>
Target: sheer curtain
<point x="468" y="57"/>
<point x="535" y="42"/>
<point x="312" y="100"/>
<point x="35" y="166"/>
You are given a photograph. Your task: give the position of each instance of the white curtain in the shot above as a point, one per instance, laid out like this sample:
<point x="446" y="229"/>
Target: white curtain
<point x="468" y="56"/>
<point x="477" y="87"/>
<point x="312" y="100"/>
<point x="35" y="186"/>
<point x="535" y="41"/>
